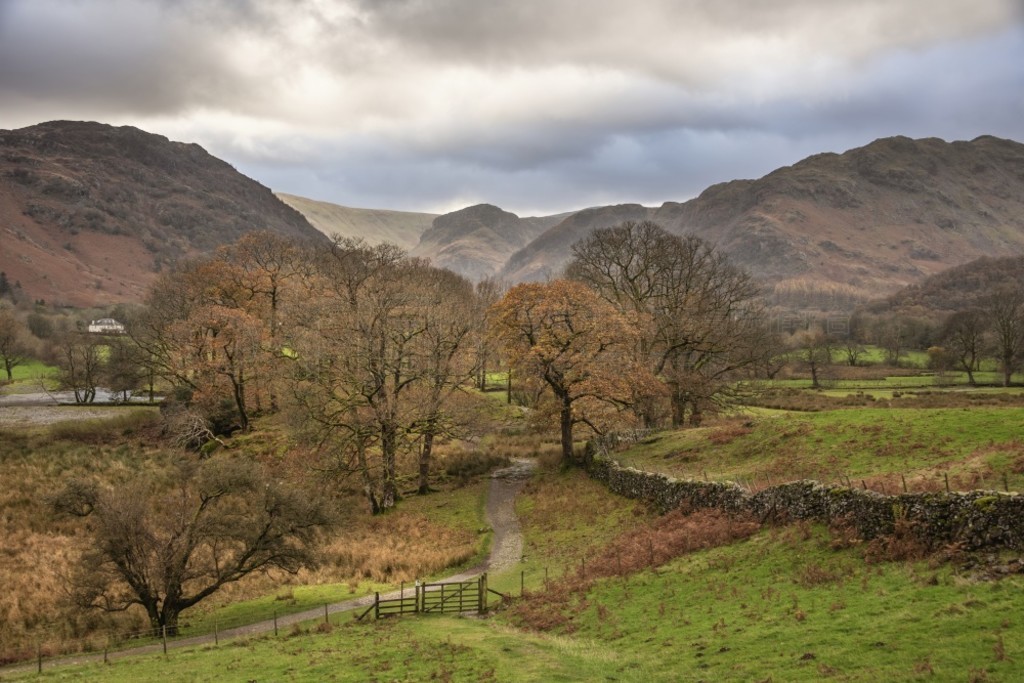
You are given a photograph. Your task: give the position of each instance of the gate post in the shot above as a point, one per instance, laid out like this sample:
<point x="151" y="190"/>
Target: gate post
<point x="481" y="588"/>
<point x="376" y="605"/>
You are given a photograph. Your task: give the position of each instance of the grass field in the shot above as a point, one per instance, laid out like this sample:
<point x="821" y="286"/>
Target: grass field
<point x="27" y="377"/>
<point x="974" y="447"/>
<point x="790" y="603"/>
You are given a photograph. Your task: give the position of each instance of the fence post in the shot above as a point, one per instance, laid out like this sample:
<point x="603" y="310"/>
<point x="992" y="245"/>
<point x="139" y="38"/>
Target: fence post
<point x="583" y="566"/>
<point x="545" y="578"/>
<point x="106" y="648"/>
<point x="275" y="622"/>
<point x="327" y="619"/>
<point x="946" y="475"/>
<point x="481" y="599"/>
<point x="522" y="583"/>
<point x="216" y="633"/>
<point x="39" y="657"/>
<point x="163" y="636"/>
<point x="376" y="605"/>
<point x="1006" y="482"/>
<point x="904" y="482"/>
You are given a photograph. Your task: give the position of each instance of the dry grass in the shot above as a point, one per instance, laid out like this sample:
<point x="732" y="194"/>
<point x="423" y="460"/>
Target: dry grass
<point x="419" y="539"/>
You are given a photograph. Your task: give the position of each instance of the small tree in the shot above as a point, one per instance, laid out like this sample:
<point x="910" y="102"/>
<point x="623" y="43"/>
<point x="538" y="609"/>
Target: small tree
<point x="815" y="351"/>
<point x="1005" y="310"/>
<point x="167" y="552"/>
<point x="14" y="349"/>
<point x="80" y="362"/>
<point x="964" y="337"/>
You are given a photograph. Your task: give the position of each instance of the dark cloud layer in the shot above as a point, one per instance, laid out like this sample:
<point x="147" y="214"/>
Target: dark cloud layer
<point x="538" y="106"/>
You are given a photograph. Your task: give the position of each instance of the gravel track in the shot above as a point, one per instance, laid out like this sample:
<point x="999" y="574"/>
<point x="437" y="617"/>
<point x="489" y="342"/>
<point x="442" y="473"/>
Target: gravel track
<point x="506" y="551"/>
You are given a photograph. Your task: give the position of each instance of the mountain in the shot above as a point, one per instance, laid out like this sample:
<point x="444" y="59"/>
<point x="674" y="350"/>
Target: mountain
<point x="837" y="229"/>
<point x="545" y="256"/>
<point x="89" y="213"/>
<point x="477" y="240"/>
<point x="957" y="288"/>
<point x="402" y="228"/>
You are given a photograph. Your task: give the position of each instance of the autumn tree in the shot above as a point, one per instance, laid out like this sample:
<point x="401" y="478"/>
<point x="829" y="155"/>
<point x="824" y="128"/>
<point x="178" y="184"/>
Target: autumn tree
<point x="698" y="320"/>
<point x="166" y="551"/>
<point x="212" y="326"/>
<point x="14" y="347"/>
<point x="578" y="344"/>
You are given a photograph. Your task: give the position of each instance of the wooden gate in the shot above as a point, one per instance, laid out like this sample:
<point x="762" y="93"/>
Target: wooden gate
<point x="436" y="598"/>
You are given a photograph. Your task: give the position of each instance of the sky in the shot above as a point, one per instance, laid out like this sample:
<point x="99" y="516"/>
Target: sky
<point x="537" y="106"/>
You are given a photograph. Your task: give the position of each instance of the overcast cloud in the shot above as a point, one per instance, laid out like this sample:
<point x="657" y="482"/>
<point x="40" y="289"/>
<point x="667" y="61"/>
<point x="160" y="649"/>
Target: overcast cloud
<point x="538" y="106"/>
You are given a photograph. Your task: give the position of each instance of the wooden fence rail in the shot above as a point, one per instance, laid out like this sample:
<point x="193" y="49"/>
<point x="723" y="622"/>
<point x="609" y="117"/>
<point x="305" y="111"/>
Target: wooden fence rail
<point x="435" y="598"/>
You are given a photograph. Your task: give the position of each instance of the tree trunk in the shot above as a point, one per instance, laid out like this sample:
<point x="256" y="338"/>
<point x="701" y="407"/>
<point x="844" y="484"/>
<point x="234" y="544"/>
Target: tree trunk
<point x="678" y="406"/>
<point x="566" y="424"/>
<point x="428" y="446"/>
<point x="388" y="447"/>
<point x="367" y="479"/>
<point x="696" y="416"/>
<point x="239" y="393"/>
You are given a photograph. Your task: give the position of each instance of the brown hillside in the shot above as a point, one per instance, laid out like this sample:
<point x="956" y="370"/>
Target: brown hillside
<point x="89" y="213"/>
<point x="402" y="228"/>
<point x="834" y="229"/>
<point x="958" y="288"/>
<point x="477" y="240"/>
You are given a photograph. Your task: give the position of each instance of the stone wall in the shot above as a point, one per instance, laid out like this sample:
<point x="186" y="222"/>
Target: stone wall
<point x="977" y="519"/>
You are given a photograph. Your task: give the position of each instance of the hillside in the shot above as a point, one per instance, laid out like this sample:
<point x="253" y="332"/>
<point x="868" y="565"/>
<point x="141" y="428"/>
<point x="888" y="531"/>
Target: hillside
<point x="957" y="288"/>
<point x="89" y="213"/>
<point x="477" y="240"/>
<point x="403" y="228"/>
<point x="835" y="229"/>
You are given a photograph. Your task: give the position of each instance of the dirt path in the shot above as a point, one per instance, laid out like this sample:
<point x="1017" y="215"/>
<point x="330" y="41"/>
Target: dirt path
<point x="506" y="551"/>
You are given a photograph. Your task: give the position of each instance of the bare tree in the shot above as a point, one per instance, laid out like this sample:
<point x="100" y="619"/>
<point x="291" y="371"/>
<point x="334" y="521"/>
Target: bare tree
<point x="168" y="551"/>
<point x="964" y="335"/>
<point x="14" y="348"/>
<point x="815" y="352"/>
<point x="698" y="320"/>
<point x="445" y="354"/>
<point x="79" y="359"/>
<point x="356" y="340"/>
<point x="1005" y="310"/>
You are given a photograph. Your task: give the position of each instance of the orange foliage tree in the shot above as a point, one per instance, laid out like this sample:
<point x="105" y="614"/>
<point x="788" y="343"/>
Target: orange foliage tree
<point x="577" y="344"/>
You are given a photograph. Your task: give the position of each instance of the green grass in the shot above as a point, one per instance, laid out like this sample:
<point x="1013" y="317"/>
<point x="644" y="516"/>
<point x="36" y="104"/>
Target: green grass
<point x="28" y="375"/>
<point x="975" y="447"/>
<point x="785" y="606"/>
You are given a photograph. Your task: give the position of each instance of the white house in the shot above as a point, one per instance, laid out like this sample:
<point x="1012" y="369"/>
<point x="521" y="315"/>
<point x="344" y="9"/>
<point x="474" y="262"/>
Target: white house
<point x="106" y="326"/>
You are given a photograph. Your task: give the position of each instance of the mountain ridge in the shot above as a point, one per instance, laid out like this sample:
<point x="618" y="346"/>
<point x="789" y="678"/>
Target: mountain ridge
<point x="90" y="213"/>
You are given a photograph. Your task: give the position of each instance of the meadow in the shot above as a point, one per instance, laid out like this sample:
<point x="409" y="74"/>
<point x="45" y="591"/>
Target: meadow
<point x="606" y="589"/>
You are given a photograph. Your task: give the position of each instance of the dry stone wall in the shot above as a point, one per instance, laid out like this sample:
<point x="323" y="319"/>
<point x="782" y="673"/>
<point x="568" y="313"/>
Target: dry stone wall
<point x="976" y="520"/>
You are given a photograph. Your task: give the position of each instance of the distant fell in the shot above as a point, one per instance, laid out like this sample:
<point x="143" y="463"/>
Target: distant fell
<point x="476" y="241"/>
<point x="403" y="228"/>
<point x="91" y="212"/>
<point x="959" y="288"/>
<point x="838" y="229"/>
